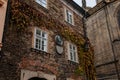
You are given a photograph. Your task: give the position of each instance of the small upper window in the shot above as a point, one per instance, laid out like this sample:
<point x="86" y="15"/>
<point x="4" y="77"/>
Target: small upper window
<point x="40" y="40"/>
<point x="73" y="56"/>
<point x="42" y="2"/>
<point x="69" y="16"/>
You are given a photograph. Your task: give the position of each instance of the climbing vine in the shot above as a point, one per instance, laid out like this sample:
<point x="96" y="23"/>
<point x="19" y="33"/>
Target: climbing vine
<point x="21" y="17"/>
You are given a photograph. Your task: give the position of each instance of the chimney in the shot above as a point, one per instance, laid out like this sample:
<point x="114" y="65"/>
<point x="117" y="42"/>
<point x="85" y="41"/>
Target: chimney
<point x="84" y="4"/>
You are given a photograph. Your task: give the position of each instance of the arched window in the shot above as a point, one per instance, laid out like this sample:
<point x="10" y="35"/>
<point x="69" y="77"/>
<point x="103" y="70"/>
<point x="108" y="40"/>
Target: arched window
<point x="36" y="78"/>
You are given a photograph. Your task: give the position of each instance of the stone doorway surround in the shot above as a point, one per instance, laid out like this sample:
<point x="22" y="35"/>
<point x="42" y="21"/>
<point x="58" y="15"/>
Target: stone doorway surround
<point x="27" y="74"/>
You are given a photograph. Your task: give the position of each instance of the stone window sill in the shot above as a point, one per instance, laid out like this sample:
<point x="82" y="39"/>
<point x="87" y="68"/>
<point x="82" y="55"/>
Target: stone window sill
<point x="69" y="23"/>
<point x="42" y="53"/>
<point x="72" y="62"/>
<point x="38" y="51"/>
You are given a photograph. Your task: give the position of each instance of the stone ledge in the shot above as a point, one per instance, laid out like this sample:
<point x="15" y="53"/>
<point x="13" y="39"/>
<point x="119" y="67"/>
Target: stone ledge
<point x="38" y="51"/>
<point x="42" y="53"/>
<point x="73" y="63"/>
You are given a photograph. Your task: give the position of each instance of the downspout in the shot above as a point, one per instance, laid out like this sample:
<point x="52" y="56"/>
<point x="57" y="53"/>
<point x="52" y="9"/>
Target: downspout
<point x="84" y="30"/>
<point x="86" y="44"/>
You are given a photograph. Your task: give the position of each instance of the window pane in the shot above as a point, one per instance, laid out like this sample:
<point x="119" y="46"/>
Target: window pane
<point x="43" y="47"/>
<point x="71" y="56"/>
<point x="43" y="34"/>
<point x="43" y="42"/>
<point x="36" y="43"/>
<point x="38" y="32"/>
<point x="73" y="47"/>
<point x="39" y="44"/>
<point x="74" y="56"/>
<point x="70" y="19"/>
<point x="70" y="47"/>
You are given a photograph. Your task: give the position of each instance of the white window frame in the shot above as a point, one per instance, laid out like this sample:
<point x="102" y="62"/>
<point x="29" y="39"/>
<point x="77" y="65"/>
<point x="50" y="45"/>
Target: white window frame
<point x="72" y="53"/>
<point x="42" y="2"/>
<point x="40" y="42"/>
<point x="69" y="16"/>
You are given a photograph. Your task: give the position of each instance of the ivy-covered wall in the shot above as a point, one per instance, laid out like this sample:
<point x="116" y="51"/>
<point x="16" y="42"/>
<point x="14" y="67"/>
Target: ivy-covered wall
<point x="18" y="52"/>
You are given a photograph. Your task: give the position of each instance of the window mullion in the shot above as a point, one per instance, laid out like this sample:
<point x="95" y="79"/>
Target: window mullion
<point x="73" y="56"/>
<point x="41" y="41"/>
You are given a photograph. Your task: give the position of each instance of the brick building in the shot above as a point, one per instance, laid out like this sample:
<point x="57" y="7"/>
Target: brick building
<point x="42" y="40"/>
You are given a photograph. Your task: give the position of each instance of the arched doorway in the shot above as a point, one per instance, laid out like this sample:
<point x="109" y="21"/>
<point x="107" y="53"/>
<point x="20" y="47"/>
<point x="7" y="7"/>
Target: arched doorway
<point x="36" y="78"/>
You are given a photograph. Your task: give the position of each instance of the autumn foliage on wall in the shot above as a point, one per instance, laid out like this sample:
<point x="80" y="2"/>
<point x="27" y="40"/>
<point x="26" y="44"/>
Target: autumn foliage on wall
<point x="21" y="17"/>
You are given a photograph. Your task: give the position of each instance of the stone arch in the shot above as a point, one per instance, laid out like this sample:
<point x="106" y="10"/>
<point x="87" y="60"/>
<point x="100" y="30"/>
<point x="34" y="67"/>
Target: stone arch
<point x="37" y="78"/>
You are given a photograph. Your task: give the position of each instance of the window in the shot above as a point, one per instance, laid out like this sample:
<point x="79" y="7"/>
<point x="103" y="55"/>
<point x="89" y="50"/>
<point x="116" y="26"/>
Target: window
<point x="72" y="52"/>
<point x="40" y="40"/>
<point x="69" y="16"/>
<point x="42" y="2"/>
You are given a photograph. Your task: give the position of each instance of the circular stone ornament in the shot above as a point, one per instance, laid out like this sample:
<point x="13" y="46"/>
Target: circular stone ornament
<point x="59" y="44"/>
<point x="59" y="40"/>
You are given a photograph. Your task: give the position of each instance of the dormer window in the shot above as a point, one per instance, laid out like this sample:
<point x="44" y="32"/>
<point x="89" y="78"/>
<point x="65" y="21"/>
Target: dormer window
<point x="42" y="3"/>
<point x="69" y="16"/>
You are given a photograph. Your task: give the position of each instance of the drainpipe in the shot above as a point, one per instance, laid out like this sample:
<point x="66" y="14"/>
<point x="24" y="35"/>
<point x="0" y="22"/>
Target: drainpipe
<point x="87" y="43"/>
